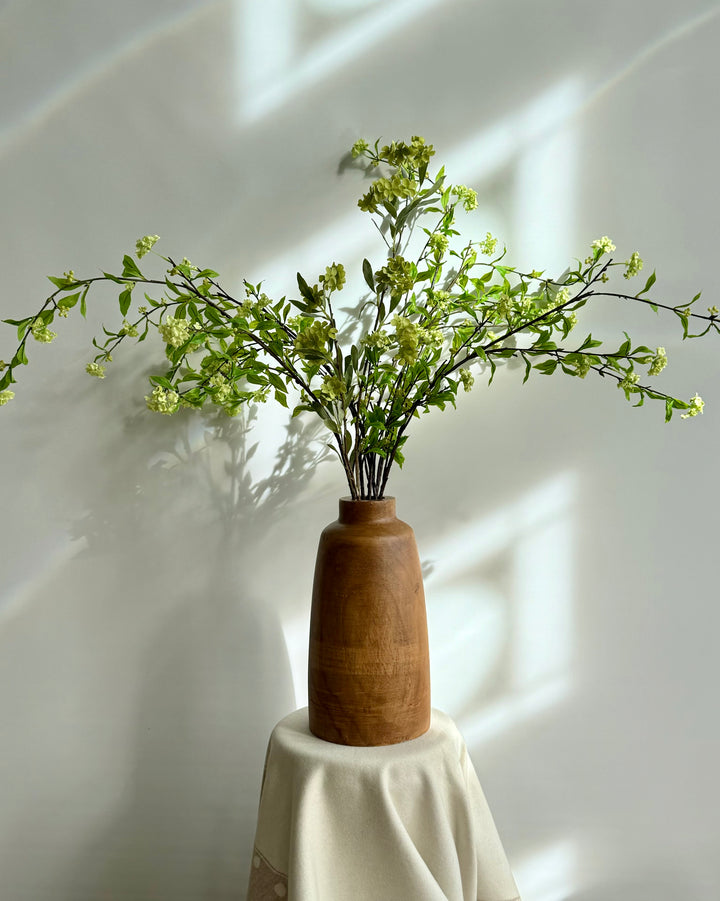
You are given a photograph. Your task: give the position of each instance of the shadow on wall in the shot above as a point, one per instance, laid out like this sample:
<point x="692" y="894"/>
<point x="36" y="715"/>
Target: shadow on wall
<point x="154" y="667"/>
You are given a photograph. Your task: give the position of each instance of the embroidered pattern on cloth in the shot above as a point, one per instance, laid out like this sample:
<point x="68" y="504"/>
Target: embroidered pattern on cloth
<point x="266" y="883"/>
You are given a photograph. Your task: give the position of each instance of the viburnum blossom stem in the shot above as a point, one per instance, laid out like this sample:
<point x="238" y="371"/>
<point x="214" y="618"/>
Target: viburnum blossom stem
<point x="429" y="324"/>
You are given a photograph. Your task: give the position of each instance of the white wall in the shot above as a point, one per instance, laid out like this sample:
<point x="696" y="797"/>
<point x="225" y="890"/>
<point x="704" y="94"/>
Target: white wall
<point x="152" y="629"/>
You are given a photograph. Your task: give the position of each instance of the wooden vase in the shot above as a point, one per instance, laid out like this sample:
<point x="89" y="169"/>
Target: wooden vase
<point x="369" y="669"/>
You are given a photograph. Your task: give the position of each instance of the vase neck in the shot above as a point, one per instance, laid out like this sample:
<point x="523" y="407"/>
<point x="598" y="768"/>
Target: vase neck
<point x="366" y="511"/>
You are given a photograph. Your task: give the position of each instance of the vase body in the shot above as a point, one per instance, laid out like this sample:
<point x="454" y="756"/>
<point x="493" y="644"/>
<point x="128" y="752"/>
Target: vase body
<point x="369" y="670"/>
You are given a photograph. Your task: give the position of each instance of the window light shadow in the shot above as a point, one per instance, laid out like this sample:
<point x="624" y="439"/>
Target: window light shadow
<point x="500" y="612"/>
<point x="273" y="68"/>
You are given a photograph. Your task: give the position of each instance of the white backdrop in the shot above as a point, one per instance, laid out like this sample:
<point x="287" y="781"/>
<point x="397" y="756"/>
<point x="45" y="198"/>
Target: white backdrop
<point x="155" y="584"/>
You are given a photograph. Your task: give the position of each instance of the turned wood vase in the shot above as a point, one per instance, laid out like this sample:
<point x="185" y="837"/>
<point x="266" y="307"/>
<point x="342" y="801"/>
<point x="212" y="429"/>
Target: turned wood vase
<point x="369" y="670"/>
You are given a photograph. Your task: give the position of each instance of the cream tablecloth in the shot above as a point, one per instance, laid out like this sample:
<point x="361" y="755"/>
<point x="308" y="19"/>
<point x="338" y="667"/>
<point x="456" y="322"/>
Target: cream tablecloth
<point x="405" y="822"/>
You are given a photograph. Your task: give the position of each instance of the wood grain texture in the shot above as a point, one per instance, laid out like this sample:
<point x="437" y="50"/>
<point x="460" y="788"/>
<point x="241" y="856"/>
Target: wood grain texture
<point x="369" y="670"/>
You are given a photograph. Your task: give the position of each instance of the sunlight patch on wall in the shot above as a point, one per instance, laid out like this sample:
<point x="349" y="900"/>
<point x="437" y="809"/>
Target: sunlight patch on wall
<point x="549" y="874"/>
<point x="500" y="612"/>
<point x="273" y="66"/>
<point x="522" y="150"/>
<point x="59" y="551"/>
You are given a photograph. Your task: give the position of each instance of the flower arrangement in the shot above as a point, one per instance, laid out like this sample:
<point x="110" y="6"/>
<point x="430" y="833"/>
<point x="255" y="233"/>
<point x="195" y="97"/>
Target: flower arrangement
<point x="438" y="311"/>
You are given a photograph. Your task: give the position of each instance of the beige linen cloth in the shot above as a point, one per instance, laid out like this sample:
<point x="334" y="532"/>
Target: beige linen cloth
<point x="405" y="822"/>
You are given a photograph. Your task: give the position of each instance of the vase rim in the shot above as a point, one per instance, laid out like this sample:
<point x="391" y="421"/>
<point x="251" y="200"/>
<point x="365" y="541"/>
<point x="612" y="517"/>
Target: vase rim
<point x="367" y="500"/>
<point x="365" y="511"/>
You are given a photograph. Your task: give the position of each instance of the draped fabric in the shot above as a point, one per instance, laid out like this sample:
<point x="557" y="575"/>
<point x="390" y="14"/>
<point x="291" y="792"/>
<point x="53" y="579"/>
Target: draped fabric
<point x="407" y="822"/>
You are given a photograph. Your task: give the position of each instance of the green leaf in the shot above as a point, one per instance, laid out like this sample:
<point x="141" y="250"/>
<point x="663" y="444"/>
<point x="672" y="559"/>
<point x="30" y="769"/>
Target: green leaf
<point x="83" y="304"/>
<point x="368" y="273"/>
<point x="130" y="269"/>
<point x="66" y="303"/>
<point x="547" y="367"/>
<point x="668" y="409"/>
<point x="113" y="278"/>
<point x="306" y="291"/>
<point x="6" y="379"/>
<point x="276" y="381"/>
<point x="20" y="358"/>
<point x="125" y="300"/>
<point x="528" y="367"/>
<point x="648" y="284"/>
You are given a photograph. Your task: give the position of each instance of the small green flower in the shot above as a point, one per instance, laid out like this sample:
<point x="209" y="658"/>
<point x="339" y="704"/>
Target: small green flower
<point x="359" y="147"/>
<point x="145" y="245"/>
<point x="163" y="400"/>
<point x="488" y="245"/>
<point x="659" y="362"/>
<point x="713" y="310"/>
<point x="42" y="333"/>
<point x="438" y="243"/>
<point x="95" y="369"/>
<point x="311" y="342"/>
<point x="467" y="379"/>
<point x="333" y="387"/>
<point x="629" y="381"/>
<point x="6" y="397"/>
<point x="633" y="265"/>
<point x="407" y="338"/>
<point x="696" y="406"/>
<point x="583" y="364"/>
<point x="467" y="196"/>
<point x="334" y="277"/>
<point x="387" y="189"/>
<point x="379" y="340"/>
<point x="174" y="331"/>
<point x="395" y="276"/>
<point x="604" y="245"/>
<point x="599" y="247"/>
<point x="128" y="329"/>
<point x="432" y="337"/>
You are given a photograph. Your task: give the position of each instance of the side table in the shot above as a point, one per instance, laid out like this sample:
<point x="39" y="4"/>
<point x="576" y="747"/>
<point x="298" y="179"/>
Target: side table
<point x="404" y="822"/>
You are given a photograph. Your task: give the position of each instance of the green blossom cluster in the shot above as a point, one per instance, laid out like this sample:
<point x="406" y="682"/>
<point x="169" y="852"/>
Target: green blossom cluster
<point x="334" y="277"/>
<point x="466" y="196"/>
<point x="633" y="265"/>
<point x="387" y="190"/>
<point x="396" y="276"/>
<point x="467" y="379"/>
<point x="407" y="338"/>
<point x="174" y="332"/>
<point x="488" y="245"/>
<point x="163" y="400"/>
<point x="439" y="313"/>
<point x="96" y="370"/>
<point x="312" y="342"/>
<point x="145" y="245"/>
<point x="42" y="333"/>
<point x="438" y="243"/>
<point x="659" y="362"/>
<point x="407" y="156"/>
<point x="379" y="340"/>
<point x="333" y="387"/>
<point x="696" y="406"/>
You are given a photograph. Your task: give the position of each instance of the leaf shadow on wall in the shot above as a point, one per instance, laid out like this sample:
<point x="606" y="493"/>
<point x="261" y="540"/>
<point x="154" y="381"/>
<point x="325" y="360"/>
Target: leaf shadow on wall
<point x="183" y="666"/>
